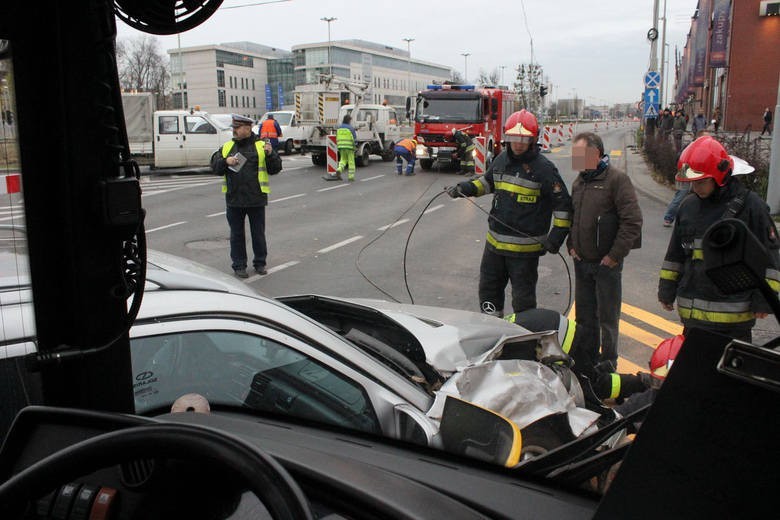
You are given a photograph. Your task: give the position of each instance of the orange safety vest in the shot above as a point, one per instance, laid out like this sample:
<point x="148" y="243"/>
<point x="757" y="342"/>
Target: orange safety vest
<point x="408" y="144"/>
<point x="268" y="129"/>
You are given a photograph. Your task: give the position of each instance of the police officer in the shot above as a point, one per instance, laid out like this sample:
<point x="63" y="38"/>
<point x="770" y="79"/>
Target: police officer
<point x="528" y="194"/>
<point x="245" y="163"/>
<point x="465" y="151"/>
<point x="708" y="167"/>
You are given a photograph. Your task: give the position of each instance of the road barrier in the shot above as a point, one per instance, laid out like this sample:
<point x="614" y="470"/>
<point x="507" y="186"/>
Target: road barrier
<point x="332" y="160"/>
<point x="571" y="132"/>
<point x="479" y="155"/>
<point x="11" y="183"/>
<point x="559" y="142"/>
<point x="545" y="141"/>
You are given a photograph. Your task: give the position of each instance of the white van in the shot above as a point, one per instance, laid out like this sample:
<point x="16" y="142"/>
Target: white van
<point x="294" y="135"/>
<point x="185" y="138"/>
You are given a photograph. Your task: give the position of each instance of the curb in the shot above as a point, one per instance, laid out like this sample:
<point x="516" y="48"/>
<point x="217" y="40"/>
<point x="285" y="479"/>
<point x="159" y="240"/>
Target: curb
<point x="638" y="186"/>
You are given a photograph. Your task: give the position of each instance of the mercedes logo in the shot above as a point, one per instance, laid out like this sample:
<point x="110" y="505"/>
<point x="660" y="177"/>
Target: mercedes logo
<point x="489" y="308"/>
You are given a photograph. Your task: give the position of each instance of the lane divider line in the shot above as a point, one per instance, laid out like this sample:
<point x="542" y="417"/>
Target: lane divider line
<point x="287" y="198"/>
<point x="372" y="178"/>
<point x="166" y="227"/>
<point x="402" y="221"/>
<point x="272" y="270"/>
<point x="340" y="244"/>
<point x="431" y="210"/>
<point x="333" y="187"/>
<point x="652" y="319"/>
<point x="216" y="214"/>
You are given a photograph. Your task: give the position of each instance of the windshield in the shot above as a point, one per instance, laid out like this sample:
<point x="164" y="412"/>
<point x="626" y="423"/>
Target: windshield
<point x="428" y="289"/>
<point x="448" y="110"/>
<point x="283" y="118"/>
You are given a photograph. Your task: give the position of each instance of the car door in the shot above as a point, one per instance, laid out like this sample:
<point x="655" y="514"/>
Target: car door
<point x="240" y="364"/>
<point x="200" y="140"/>
<point x="169" y="141"/>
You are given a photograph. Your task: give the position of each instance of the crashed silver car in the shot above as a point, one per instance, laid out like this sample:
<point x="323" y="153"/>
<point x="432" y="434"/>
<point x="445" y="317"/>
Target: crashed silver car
<point x="369" y="365"/>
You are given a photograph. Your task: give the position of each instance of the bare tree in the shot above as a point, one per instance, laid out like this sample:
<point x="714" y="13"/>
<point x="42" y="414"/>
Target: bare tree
<point x="488" y="80"/>
<point x="457" y="79"/>
<point x="527" y="83"/>
<point x="142" y="66"/>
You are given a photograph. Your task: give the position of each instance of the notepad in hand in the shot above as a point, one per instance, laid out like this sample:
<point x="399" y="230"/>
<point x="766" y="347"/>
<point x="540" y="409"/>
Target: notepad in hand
<point x="241" y="160"/>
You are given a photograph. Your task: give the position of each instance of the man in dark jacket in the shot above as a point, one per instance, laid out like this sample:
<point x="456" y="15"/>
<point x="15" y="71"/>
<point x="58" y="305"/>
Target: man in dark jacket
<point x="607" y="224"/>
<point x="528" y="194"/>
<point x="708" y="167"/>
<point x="245" y="163"/>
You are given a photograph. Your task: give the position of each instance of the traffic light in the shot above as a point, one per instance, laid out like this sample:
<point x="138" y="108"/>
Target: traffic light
<point x="543" y="90"/>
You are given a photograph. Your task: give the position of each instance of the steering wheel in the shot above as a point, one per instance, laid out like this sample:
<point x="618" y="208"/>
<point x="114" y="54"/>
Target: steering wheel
<point x="265" y="477"/>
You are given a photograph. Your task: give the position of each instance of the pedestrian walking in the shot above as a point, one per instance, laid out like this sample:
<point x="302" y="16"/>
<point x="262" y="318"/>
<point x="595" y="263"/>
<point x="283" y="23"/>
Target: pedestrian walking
<point x="709" y="169"/>
<point x="271" y="130"/>
<point x="345" y="142"/>
<point x="716" y="119"/>
<point x="529" y="195"/>
<point x="607" y="224"/>
<point x="683" y="189"/>
<point x="679" y="125"/>
<point x="405" y="150"/>
<point x="666" y="123"/>
<point x="245" y="162"/>
<point x="767" y="122"/>
<point x="699" y="123"/>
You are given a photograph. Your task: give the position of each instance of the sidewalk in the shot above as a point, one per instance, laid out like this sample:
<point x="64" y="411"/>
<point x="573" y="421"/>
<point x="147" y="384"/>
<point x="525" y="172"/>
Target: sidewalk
<point x="642" y="178"/>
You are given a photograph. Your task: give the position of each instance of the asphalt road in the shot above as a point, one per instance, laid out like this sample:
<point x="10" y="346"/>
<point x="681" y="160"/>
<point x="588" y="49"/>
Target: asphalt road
<point x="358" y="239"/>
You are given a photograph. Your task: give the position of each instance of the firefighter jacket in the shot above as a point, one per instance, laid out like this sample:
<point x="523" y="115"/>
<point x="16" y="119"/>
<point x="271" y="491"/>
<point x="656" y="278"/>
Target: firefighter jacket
<point x="247" y="187"/>
<point x="607" y="218"/>
<point x="345" y="137"/>
<point x="528" y="193"/>
<point x="699" y="302"/>
<point x="465" y="148"/>
<point x="270" y="129"/>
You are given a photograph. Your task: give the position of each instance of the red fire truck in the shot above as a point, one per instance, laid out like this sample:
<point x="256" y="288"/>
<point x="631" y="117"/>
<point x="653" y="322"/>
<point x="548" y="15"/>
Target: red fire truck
<point x="475" y="111"/>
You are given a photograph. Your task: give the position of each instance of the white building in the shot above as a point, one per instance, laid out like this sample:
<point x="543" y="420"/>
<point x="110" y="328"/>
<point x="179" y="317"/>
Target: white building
<point x="242" y="78"/>
<point x="391" y="73"/>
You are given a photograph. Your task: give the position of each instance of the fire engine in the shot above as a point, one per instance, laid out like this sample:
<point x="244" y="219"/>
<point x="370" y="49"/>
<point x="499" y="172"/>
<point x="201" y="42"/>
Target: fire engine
<point x="474" y="111"/>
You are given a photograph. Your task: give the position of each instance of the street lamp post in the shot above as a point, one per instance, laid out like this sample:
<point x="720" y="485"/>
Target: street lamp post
<point x="409" y="64"/>
<point x="329" y="19"/>
<point x="466" y="66"/>
<point x="502" y="67"/>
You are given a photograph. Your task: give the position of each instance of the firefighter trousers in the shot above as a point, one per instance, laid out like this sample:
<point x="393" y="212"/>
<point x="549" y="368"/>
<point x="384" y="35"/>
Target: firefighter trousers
<point x="496" y="271"/>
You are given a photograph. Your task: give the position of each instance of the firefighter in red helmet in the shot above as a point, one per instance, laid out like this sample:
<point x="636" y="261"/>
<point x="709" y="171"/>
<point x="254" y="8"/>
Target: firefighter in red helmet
<point x="528" y="196"/>
<point x="707" y="165"/>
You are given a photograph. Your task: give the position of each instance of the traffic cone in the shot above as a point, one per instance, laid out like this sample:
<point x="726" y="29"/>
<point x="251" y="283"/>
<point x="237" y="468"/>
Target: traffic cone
<point x="560" y="134"/>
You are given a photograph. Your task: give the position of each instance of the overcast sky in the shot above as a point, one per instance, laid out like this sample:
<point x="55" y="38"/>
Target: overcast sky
<point x="596" y="49"/>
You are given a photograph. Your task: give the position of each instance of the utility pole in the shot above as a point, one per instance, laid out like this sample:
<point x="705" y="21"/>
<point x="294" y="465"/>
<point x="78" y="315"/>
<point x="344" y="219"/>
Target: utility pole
<point x="409" y="64"/>
<point x="502" y="67"/>
<point x="329" y="19"/>
<point x="181" y="74"/>
<point x="652" y="35"/>
<point x="466" y="66"/>
<point x="663" y="58"/>
<point x="773" y="188"/>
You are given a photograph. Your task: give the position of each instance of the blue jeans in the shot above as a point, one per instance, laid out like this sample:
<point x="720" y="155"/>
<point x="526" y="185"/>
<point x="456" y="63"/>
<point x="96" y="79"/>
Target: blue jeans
<point x="235" y="218"/>
<point x="402" y="153"/>
<point x="671" y="209"/>
<point x="598" y="294"/>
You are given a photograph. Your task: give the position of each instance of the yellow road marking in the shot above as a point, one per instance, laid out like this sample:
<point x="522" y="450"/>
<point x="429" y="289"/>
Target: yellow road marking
<point x="653" y="319"/>
<point x="627" y="367"/>
<point x="641" y="335"/>
<point x="616" y="153"/>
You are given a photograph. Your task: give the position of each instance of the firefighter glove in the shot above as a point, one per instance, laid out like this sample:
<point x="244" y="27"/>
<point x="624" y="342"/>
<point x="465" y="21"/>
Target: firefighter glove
<point x="454" y="192"/>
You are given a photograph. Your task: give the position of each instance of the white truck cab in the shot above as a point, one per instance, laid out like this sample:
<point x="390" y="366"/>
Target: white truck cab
<point x="294" y="134"/>
<point x="187" y="138"/>
<point x="377" y="130"/>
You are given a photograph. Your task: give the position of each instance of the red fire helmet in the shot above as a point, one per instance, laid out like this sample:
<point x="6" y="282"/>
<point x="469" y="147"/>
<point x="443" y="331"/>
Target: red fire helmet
<point x="664" y="356"/>
<point x="521" y="127"/>
<point x="702" y="159"/>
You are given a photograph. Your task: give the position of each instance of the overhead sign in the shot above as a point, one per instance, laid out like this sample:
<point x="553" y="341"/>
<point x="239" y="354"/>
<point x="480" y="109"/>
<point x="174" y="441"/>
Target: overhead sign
<point x="651" y="103"/>
<point x="652" y="79"/>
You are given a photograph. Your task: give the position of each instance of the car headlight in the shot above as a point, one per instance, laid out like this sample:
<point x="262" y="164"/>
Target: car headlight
<point x="421" y="151"/>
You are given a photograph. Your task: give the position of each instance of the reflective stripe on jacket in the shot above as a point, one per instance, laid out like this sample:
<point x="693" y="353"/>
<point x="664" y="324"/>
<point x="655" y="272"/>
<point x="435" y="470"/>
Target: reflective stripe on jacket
<point x="262" y="173"/>
<point x="344" y="138"/>
<point x="268" y="129"/>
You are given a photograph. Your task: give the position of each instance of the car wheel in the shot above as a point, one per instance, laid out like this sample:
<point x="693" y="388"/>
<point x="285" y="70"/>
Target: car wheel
<point x="289" y="148"/>
<point x="362" y="159"/>
<point x="318" y="159"/>
<point x="426" y="164"/>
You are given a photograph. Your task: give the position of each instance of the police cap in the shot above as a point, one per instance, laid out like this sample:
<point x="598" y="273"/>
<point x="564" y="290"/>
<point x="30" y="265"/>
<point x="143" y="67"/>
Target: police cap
<point x="240" y="121"/>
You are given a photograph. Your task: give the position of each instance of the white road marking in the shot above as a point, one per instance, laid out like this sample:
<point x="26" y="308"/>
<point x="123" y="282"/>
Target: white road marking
<point x="431" y="210"/>
<point x="166" y="227"/>
<point x="340" y="244"/>
<point x="216" y="214"/>
<point x="333" y="187"/>
<point x="273" y="270"/>
<point x="287" y="198"/>
<point x="372" y="178"/>
<point x="402" y="221"/>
